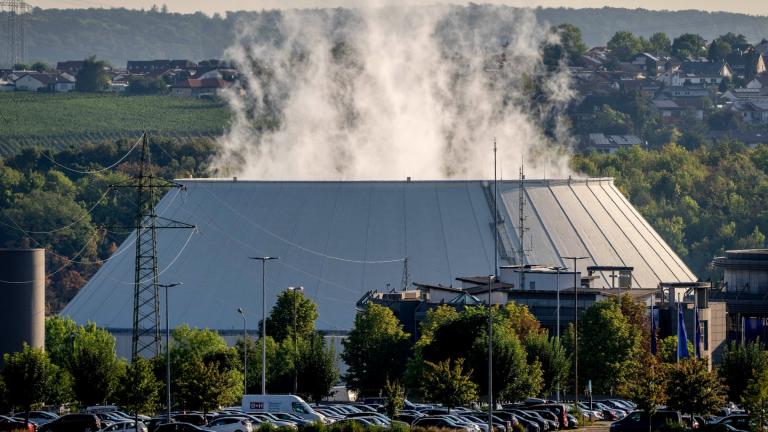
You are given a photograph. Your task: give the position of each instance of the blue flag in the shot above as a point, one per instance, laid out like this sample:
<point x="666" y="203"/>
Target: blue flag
<point x="682" y="335"/>
<point x="653" y="332"/>
<point x="697" y="335"/>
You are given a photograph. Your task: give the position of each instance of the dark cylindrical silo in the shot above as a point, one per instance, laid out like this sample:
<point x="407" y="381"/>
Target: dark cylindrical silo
<point x="22" y="299"/>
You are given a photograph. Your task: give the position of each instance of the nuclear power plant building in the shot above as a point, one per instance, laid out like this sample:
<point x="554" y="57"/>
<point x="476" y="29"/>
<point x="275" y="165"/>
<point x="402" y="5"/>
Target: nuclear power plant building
<point x="342" y="239"/>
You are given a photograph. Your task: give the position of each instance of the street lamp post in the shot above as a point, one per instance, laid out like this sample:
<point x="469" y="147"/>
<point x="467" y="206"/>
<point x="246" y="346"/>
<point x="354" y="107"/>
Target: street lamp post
<point x="575" y="332"/>
<point x="241" y="311"/>
<point x="168" y="348"/>
<point x="263" y="260"/>
<point x="294" y="292"/>
<point x="491" y="278"/>
<point x="557" y="330"/>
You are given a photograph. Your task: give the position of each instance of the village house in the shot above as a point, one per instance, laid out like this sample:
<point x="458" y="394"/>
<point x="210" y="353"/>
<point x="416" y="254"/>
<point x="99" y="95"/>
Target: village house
<point x="696" y="73"/>
<point x="610" y="143"/>
<point x="72" y="67"/>
<point x="199" y="88"/>
<point x="44" y="81"/>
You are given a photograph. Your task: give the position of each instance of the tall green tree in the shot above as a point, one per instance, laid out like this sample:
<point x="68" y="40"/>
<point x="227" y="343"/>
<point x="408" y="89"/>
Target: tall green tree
<point x="693" y="389"/>
<point x="608" y="346"/>
<point x="689" y="46"/>
<point x="646" y="384"/>
<point x="209" y="371"/>
<point x="94" y="366"/>
<point x="375" y="350"/>
<point x="27" y="375"/>
<point x="624" y="45"/>
<point x="718" y="50"/>
<point x="667" y="350"/>
<point x="448" y="383"/>
<point x="316" y="369"/>
<point x="280" y="320"/>
<point x="568" y="49"/>
<point x="659" y="44"/>
<point x="739" y="364"/>
<point x="755" y="400"/>
<point x="139" y="389"/>
<point x="93" y="76"/>
<point x="59" y="339"/>
<point x="555" y="361"/>
<point x="395" y="398"/>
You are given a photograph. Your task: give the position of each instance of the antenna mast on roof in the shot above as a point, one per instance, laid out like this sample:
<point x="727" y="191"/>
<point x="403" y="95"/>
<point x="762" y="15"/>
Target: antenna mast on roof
<point x="406" y="275"/>
<point x="146" y="296"/>
<point x="495" y="218"/>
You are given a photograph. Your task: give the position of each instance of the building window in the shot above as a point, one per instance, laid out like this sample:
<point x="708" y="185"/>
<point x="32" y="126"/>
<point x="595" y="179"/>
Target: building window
<point x="705" y="334"/>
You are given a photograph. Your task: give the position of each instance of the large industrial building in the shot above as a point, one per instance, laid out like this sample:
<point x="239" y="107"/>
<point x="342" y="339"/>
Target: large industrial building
<point x="341" y="239"/>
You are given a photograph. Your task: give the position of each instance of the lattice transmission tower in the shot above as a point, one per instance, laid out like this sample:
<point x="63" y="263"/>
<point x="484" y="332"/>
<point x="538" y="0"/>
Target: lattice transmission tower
<point x="146" y="293"/>
<point x="13" y="24"/>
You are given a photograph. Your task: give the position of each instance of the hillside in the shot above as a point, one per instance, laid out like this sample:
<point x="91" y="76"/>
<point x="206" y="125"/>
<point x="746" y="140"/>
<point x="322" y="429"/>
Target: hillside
<point x="119" y="34"/>
<point x="61" y="120"/>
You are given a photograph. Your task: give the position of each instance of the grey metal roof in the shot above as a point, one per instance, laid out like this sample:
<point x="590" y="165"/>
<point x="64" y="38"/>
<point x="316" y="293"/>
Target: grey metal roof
<point x="341" y="239"/>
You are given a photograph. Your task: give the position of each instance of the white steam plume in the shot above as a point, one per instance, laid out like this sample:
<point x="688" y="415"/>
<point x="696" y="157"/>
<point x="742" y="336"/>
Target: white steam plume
<point x="390" y="92"/>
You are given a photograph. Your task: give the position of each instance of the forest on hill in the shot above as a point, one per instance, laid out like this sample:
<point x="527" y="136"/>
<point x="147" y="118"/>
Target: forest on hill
<point x="118" y="35"/>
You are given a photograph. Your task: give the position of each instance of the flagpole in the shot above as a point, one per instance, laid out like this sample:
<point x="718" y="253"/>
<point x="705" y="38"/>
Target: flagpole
<point x="677" y="318"/>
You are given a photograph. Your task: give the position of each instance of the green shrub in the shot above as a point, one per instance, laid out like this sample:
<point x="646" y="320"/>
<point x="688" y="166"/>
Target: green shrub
<point x="314" y="427"/>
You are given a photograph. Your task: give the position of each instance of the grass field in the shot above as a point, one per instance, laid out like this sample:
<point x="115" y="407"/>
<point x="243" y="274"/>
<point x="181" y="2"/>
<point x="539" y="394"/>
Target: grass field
<point x="64" y="119"/>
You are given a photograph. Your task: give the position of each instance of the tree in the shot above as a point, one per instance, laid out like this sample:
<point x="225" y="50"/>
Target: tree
<point x="755" y="400"/>
<point x="448" y="383"/>
<point x="93" y="365"/>
<point x="39" y="66"/>
<point x="718" y="51"/>
<point x="375" y="350"/>
<point x="659" y="44"/>
<point x="624" y="45"/>
<point x="395" y="398"/>
<point x="608" y="346"/>
<point x="316" y="369"/>
<point x="139" y="389"/>
<point x="667" y="351"/>
<point x="689" y="46"/>
<point x="280" y="319"/>
<point x="646" y="384"/>
<point x="555" y="362"/>
<point x="147" y="85"/>
<point x="27" y="375"/>
<point x="59" y="339"/>
<point x="206" y="384"/>
<point x="20" y="66"/>
<point x="569" y="48"/>
<point x="733" y="39"/>
<point x="208" y="369"/>
<point x="692" y="388"/>
<point x="739" y="364"/>
<point x="92" y="76"/>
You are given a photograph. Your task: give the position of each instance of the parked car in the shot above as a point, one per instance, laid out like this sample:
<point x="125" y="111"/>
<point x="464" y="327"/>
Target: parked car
<point x="638" y="421"/>
<point x="192" y="418"/>
<point x="181" y="427"/>
<point x="231" y="424"/>
<point x="440" y="423"/>
<point x="734" y="421"/>
<point x="573" y="422"/>
<point x="8" y="424"/>
<point x="125" y="426"/>
<point x="73" y="423"/>
<point x="529" y="425"/>
<point x="41" y="417"/>
<point x="559" y="409"/>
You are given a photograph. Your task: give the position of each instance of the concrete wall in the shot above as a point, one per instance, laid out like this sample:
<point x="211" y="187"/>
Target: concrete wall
<point x="22" y="287"/>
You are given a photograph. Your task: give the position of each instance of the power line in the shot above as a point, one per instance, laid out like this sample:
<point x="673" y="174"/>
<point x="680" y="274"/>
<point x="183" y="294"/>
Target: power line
<point x="136" y="144"/>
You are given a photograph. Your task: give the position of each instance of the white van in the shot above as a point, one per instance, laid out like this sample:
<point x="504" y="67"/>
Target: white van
<point x="280" y="403"/>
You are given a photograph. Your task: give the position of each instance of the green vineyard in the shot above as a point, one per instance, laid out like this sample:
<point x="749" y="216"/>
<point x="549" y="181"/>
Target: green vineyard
<point x="60" y="121"/>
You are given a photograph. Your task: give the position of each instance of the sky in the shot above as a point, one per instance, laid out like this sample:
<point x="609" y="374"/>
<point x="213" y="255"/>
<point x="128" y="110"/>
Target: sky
<point x="752" y="7"/>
